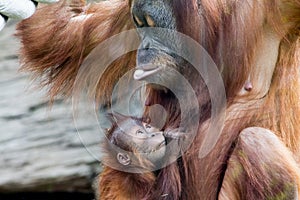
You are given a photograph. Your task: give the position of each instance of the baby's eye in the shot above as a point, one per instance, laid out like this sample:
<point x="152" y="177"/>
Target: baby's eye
<point x="148" y="126"/>
<point x="139" y="132"/>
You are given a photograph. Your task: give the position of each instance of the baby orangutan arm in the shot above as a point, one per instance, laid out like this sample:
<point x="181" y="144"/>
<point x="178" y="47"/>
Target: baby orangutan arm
<point x="260" y="167"/>
<point x="175" y="134"/>
<point x="176" y="141"/>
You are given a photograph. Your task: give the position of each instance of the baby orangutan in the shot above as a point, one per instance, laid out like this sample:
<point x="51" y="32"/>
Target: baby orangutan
<point x="139" y="144"/>
<point x="134" y="152"/>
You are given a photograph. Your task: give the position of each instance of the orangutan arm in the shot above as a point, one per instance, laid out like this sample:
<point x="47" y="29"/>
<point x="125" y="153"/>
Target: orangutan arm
<point x="261" y="167"/>
<point x="57" y="38"/>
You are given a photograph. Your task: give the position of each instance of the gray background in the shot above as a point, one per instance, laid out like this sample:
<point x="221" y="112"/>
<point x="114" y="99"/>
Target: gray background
<point x="39" y="146"/>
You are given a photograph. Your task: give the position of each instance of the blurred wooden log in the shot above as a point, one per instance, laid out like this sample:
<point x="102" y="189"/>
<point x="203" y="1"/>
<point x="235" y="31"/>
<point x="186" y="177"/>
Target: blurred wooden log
<point x="39" y="147"/>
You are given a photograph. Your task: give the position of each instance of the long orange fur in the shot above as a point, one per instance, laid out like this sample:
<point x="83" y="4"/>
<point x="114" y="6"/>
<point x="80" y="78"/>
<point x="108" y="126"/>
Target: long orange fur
<point x="54" y="47"/>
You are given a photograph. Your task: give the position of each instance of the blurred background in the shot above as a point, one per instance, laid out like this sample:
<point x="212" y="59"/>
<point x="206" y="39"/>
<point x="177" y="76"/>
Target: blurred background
<point x="41" y="155"/>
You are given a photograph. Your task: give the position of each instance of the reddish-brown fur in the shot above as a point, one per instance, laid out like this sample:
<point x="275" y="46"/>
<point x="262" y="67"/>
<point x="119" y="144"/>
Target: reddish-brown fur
<point x="233" y="32"/>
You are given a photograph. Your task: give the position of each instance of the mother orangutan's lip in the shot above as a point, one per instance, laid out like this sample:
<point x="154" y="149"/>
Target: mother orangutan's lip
<point x="140" y="74"/>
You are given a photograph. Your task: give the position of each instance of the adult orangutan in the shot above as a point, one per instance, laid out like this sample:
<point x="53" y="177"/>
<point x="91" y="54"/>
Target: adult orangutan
<point x="256" y="47"/>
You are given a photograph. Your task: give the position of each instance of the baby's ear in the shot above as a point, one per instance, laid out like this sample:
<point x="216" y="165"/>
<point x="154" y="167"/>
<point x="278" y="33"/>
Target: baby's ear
<point x="124" y="159"/>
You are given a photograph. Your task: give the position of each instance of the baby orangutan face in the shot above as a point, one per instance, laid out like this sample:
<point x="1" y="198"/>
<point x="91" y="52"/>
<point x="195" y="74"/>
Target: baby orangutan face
<point x="146" y="138"/>
<point x="136" y="136"/>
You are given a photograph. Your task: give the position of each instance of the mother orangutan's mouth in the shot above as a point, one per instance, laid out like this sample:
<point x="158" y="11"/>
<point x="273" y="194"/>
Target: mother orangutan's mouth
<point x="144" y="71"/>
